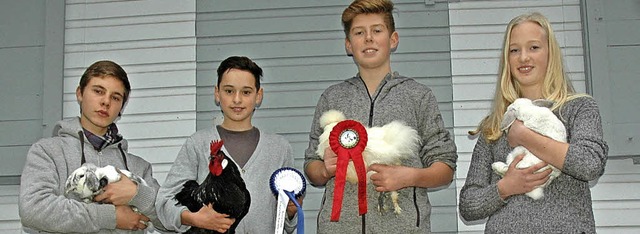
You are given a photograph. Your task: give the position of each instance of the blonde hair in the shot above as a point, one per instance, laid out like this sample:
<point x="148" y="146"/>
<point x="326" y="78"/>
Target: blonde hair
<point x="556" y="85"/>
<point x="358" y="7"/>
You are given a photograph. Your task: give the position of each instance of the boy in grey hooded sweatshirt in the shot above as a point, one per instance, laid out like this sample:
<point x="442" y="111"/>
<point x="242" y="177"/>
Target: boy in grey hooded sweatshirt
<point x="377" y="96"/>
<point x="91" y="138"/>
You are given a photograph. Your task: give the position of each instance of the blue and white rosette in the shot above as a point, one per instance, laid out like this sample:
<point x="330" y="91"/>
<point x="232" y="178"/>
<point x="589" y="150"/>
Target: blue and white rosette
<point x="288" y="184"/>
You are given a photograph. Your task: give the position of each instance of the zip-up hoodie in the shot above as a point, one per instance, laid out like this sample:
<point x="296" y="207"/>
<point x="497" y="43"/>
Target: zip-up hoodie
<point x="396" y="98"/>
<point x="43" y="206"/>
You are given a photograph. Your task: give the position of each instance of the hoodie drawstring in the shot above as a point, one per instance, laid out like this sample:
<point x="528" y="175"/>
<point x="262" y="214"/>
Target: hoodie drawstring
<point x="81" y="136"/>
<point x="124" y="158"/>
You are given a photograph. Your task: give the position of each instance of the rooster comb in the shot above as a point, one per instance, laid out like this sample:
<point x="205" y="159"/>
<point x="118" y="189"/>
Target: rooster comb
<point x="216" y="145"/>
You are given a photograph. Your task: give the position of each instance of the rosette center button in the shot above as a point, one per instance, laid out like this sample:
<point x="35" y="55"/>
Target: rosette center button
<point x="349" y="138"/>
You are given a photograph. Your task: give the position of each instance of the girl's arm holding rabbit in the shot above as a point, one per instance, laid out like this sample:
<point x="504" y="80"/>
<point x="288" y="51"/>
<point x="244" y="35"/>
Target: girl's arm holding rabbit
<point x="547" y="149"/>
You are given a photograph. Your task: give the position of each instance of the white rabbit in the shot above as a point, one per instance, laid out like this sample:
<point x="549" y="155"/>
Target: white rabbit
<point x="537" y="116"/>
<point x="89" y="180"/>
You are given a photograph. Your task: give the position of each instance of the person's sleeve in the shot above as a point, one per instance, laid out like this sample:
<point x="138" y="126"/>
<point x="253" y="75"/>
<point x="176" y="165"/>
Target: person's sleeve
<point x="479" y="196"/>
<point x="437" y="143"/>
<point x="145" y="198"/>
<point x="290" y="225"/>
<point x="183" y="169"/>
<point x="587" y="154"/>
<point x="43" y="207"/>
<point x="315" y="132"/>
<point x="288" y="157"/>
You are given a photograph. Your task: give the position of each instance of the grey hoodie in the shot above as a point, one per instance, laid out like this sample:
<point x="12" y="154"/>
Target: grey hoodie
<point x="43" y="206"/>
<point x="396" y="98"/>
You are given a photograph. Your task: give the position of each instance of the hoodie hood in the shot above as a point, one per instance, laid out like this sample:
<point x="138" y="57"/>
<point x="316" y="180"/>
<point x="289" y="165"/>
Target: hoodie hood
<point x="68" y="128"/>
<point x="72" y="128"/>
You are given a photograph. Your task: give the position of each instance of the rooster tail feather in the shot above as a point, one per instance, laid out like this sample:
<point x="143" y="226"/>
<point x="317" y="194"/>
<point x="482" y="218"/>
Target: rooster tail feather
<point x="185" y="197"/>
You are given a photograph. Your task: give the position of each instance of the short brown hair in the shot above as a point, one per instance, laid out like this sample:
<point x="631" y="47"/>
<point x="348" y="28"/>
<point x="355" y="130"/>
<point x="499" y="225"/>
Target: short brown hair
<point x="106" y="68"/>
<point x="358" y="7"/>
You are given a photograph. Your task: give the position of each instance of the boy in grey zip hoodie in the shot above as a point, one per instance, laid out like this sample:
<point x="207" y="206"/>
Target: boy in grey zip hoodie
<point x="91" y="138"/>
<point x="375" y="97"/>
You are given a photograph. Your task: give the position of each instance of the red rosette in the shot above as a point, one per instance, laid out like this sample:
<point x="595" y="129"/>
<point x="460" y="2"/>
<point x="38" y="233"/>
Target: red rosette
<point x="348" y="140"/>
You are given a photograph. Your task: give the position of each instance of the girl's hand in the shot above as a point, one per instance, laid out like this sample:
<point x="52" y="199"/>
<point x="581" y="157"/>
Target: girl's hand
<point x="519" y="181"/>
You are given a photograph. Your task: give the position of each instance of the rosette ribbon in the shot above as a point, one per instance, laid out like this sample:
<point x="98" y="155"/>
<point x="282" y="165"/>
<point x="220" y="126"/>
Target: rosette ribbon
<point x="288" y="184"/>
<point x="348" y="140"/>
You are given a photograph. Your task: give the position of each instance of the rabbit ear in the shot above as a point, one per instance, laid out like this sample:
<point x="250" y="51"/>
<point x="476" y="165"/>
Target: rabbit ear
<point x="543" y="103"/>
<point x="508" y="119"/>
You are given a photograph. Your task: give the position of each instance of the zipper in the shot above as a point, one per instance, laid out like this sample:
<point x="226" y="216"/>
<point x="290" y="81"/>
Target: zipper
<point x="372" y="100"/>
<point x="370" y="124"/>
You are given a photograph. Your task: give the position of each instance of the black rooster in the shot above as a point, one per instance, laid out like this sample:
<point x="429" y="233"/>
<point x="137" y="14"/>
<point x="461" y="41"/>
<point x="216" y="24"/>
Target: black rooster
<point x="223" y="187"/>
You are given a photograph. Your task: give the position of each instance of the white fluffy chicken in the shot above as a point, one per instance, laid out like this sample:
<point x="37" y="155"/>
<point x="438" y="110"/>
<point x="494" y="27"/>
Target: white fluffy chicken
<point x="536" y="116"/>
<point x="389" y="144"/>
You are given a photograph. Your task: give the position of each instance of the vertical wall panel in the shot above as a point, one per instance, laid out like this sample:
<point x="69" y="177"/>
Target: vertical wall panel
<point x="154" y="41"/>
<point x="31" y="48"/>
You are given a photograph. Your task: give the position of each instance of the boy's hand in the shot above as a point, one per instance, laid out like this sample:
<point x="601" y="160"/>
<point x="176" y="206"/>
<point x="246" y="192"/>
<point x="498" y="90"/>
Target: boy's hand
<point x="208" y="218"/>
<point x="330" y="162"/>
<point x="390" y="178"/>
<point x="118" y="193"/>
<point x="292" y="208"/>
<point x="128" y="219"/>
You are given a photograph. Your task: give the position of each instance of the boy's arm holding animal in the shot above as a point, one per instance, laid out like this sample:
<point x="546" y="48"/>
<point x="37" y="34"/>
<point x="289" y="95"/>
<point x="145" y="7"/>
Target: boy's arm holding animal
<point x="392" y="178"/>
<point x="119" y="194"/>
<point x="128" y="219"/>
<point x="43" y="207"/>
<point x="321" y="171"/>
<point x="181" y="171"/>
<point x="207" y="218"/>
<point x="142" y="196"/>
<point x="438" y="152"/>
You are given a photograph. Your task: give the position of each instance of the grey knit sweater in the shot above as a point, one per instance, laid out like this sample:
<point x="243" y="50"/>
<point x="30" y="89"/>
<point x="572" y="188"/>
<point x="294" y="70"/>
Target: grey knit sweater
<point x="43" y="206"/>
<point x="566" y="205"/>
<point x="271" y="153"/>
<point x="396" y="98"/>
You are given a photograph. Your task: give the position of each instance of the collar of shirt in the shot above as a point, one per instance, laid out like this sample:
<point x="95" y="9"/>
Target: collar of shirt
<point x="100" y="142"/>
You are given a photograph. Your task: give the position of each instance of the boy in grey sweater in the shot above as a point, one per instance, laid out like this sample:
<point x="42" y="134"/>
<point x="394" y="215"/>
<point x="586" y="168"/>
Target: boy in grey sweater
<point x="92" y="138"/>
<point x="256" y="153"/>
<point x="374" y="97"/>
